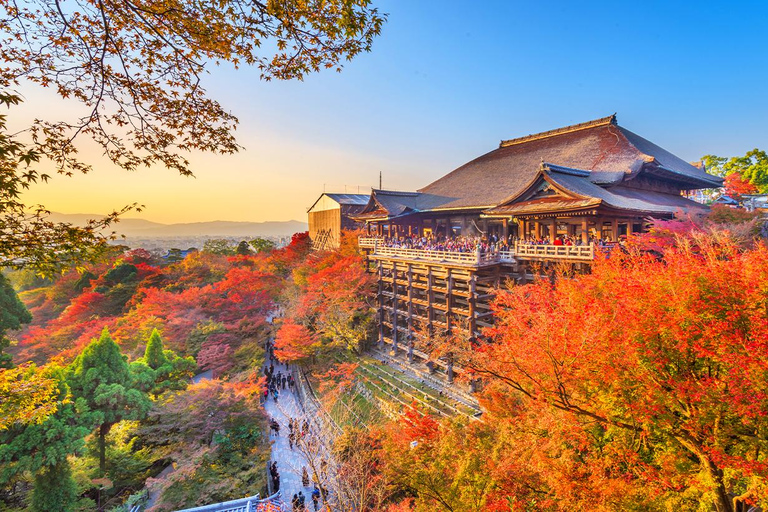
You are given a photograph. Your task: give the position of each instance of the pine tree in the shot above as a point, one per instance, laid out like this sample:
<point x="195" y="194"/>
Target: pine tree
<point x="13" y="314"/>
<point x="153" y="354"/>
<point x="101" y="376"/>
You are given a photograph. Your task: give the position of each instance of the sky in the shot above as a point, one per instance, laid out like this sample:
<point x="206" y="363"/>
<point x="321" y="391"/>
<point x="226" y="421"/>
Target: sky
<point x="444" y="83"/>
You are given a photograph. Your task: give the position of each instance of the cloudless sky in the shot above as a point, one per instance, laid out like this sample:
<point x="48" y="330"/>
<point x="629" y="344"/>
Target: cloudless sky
<point x="445" y="82"/>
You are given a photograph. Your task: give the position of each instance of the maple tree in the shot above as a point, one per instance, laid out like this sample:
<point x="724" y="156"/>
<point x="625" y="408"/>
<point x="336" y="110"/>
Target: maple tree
<point x="43" y="448"/>
<point x="326" y="298"/>
<point x="640" y="383"/>
<point x="27" y="395"/>
<point x="736" y="186"/>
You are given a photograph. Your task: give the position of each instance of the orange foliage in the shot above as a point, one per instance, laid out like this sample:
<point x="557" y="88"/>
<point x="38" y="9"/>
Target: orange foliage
<point x="736" y="186"/>
<point x="294" y="342"/>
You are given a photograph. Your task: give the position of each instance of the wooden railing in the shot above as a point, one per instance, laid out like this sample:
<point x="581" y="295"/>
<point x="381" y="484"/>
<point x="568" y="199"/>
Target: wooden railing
<point x="367" y="242"/>
<point x="555" y="252"/>
<point x="461" y="258"/>
<point x="520" y="251"/>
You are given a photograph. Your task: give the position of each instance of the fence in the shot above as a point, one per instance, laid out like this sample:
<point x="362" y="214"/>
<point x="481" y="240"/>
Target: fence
<point x="251" y="504"/>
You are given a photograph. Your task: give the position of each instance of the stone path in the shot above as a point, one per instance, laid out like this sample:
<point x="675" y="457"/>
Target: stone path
<point x="289" y="462"/>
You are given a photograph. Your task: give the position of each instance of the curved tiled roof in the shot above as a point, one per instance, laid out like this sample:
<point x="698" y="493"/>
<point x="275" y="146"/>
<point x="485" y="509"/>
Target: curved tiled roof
<point x="610" y="152"/>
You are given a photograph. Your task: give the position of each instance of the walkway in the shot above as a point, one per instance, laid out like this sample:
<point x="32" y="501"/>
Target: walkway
<point x="289" y="461"/>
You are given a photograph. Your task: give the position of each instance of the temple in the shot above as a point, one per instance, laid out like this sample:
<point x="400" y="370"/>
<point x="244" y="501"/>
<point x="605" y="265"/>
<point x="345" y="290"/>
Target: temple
<point x="559" y="196"/>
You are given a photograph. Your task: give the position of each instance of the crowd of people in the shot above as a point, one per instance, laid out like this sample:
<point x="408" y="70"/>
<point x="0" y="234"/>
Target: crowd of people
<point x="298" y="430"/>
<point x="483" y="244"/>
<point x="276" y="382"/>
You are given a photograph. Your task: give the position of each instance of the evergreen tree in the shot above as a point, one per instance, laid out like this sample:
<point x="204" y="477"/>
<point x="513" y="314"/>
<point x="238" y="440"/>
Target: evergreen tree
<point x="161" y="370"/>
<point x="54" y="489"/>
<point x="153" y="354"/>
<point x="101" y="376"/>
<point x="12" y="315"/>
<point x="243" y="248"/>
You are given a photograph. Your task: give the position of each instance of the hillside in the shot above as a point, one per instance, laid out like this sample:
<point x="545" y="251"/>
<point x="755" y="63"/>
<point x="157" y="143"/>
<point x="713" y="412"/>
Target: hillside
<point x="141" y="228"/>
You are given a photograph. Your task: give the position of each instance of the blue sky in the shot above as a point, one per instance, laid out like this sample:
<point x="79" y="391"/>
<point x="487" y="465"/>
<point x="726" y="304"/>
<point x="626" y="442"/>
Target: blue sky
<point x="447" y="80"/>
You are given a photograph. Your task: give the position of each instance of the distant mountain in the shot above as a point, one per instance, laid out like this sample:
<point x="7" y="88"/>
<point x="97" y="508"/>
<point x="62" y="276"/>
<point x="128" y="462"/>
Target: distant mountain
<point x="140" y="228"/>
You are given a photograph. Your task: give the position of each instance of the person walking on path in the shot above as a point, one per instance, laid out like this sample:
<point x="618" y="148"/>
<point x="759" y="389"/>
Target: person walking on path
<point x="315" y="497"/>
<point x="302" y="500"/>
<point x="304" y="477"/>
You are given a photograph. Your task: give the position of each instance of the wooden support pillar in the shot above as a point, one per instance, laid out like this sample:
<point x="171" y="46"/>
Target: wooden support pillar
<point x="381" y="305"/>
<point x="448" y="300"/>
<point x="537" y="229"/>
<point x="394" y="308"/>
<point x="505" y="228"/>
<point x="552" y="230"/>
<point x="430" y="301"/>
<point x="472" y="304"/>
<point x="410" y="313"/>
<point x="614" y="230"/>
<point x="448" y="230"/>
<point x="484" y="226"/>
<point x="585" y="230"/>
<point x="464" y="226"/>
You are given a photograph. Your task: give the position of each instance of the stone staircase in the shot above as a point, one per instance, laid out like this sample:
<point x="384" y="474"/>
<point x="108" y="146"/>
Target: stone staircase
<point x="444" y="389"/>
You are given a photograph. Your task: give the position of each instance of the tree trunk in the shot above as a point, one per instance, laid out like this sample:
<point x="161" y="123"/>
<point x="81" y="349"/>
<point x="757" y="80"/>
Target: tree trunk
<point x="723" y="502"/>
<point x="103" y="431"/>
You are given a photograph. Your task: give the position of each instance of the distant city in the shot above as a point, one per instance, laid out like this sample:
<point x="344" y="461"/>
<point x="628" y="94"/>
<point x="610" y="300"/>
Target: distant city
<point x="158" y="237"/>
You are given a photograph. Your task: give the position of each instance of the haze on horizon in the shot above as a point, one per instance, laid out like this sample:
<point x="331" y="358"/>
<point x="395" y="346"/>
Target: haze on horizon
<point x="442" y="86"/>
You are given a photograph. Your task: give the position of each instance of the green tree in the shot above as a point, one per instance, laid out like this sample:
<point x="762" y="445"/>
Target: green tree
<point x="219" y="246"/>
<point x="262" y="244"/>
<point x="243" y="248"/>
<point x="12" y="315"/>
<point x="101" y="375"/>
<point x="753" y="167"/>
<point x="163" y="370"/>
<point x="153" y="354"/>
<point x="54" y="489"/>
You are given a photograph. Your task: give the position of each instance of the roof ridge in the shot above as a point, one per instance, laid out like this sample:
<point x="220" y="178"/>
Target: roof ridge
<point x="395" y="192"/>
<point x="603" y="121"/>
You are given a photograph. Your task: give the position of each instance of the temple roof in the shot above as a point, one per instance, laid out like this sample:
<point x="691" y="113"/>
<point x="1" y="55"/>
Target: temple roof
<point x="613" y="154"/>
<point x="575" y="190"/>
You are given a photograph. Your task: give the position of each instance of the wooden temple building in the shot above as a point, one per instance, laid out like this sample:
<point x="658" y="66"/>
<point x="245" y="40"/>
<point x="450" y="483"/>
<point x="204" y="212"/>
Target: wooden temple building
<point x="331" y="214"/>
<point x="589" y="184"/>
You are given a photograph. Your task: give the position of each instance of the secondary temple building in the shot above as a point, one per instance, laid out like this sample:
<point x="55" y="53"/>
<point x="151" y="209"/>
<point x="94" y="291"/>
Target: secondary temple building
<point x="556" y="196"/>
<point x="331" y="214"/>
